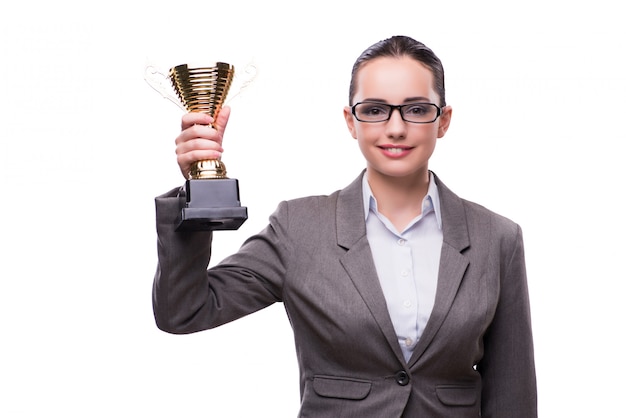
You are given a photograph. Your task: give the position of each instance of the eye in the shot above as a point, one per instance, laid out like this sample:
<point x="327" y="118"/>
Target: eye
<point x="417" y="109"/>
<point x="373" y="109"/>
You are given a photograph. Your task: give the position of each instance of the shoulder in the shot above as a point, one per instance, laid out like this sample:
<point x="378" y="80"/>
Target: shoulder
<point x="476" y="211"/>
<point x="350" y="195"/>
<point x="478" y="219"/>
<point x="307" y="208"/>
<point x="492" y="229"/>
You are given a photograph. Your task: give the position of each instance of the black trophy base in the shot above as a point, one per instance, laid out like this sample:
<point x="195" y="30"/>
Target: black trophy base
<point x="212" y="204"/>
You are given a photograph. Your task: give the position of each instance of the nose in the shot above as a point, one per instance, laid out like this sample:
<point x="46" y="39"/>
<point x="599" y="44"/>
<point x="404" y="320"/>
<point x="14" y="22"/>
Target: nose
<point x="396" y="126"/>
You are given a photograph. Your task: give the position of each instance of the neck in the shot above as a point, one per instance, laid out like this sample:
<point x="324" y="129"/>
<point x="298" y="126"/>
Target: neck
<point x="399" y="199"/>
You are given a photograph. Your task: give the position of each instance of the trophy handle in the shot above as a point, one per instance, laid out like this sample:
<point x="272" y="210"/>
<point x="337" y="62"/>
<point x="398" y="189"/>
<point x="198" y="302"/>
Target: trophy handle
<point x="161" y="84"/>
<point x="242" y="80"/>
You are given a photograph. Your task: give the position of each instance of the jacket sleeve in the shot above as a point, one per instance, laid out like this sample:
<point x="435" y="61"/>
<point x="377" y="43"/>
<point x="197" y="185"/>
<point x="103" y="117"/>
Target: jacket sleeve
<point x="189" y="298"/>
<point x="507" y="368"/>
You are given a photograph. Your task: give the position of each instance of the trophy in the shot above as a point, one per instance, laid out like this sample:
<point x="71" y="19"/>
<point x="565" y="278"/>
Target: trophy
<point x="212" y="199"/>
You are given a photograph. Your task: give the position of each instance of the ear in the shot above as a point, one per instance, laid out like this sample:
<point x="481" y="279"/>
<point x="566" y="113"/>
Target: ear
<point x="349" y="117"/>
<point x="444" y="121"/>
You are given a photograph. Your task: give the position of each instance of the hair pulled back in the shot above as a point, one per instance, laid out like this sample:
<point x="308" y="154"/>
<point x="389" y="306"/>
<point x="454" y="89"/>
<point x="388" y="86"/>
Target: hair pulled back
<point x="397" y="47"/>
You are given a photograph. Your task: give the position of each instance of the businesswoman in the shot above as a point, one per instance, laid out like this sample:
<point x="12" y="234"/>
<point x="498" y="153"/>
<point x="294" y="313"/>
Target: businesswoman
<point x="405" y="300"/>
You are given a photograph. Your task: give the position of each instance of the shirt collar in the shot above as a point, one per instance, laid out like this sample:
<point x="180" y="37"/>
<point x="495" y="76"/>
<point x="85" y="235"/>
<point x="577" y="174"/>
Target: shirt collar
<point x="430" y="200"/>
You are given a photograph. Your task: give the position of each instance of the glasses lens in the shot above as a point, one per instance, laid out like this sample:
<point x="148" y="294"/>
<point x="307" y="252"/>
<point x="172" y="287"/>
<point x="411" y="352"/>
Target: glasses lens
<point x="412" y="112"/>
<point x="420" y="112"/>
<point x="372" y="112"/>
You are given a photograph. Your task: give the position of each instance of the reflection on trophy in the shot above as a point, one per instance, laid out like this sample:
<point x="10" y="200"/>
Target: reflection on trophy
<point x="212" y="199"/>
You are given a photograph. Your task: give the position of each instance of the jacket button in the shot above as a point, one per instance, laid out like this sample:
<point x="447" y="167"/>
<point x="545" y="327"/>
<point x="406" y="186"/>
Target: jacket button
<point x="402" y="378"/>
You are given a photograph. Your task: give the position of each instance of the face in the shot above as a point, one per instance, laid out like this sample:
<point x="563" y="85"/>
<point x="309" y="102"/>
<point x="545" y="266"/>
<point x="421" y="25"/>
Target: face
<point x="395" y="148"/>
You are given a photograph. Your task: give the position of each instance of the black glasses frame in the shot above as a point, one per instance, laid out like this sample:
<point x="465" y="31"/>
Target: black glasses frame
<point x="393" y="107"/>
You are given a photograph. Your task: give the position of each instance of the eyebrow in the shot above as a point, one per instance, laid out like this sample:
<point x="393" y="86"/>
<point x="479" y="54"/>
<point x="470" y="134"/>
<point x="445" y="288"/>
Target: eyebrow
<point x="418" y="99"/>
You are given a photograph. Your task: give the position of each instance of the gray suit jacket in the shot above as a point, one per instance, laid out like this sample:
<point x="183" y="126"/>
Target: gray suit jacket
<point x="474" y="359"/>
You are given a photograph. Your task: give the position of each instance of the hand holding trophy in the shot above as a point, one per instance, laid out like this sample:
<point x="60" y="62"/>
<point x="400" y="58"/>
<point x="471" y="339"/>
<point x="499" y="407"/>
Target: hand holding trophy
<point x="212" y="199"/>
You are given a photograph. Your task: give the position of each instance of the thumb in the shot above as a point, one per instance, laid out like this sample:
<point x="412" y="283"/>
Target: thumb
<point x="222" y="119"/>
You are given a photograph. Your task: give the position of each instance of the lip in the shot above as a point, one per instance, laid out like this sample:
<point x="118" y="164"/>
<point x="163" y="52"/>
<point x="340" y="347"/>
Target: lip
<point x="395" y="151"/>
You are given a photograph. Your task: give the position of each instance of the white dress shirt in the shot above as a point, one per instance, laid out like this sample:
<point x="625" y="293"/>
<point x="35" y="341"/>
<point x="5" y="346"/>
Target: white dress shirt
<point x="407" y="263"/>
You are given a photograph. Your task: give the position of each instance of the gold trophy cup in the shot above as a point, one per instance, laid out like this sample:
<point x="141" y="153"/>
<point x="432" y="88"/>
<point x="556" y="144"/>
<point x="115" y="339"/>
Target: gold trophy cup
<point x="212" y="199"/>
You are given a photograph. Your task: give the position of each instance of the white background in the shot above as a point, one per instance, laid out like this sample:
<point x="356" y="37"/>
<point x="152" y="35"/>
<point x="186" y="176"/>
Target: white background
<point x="537" y="135"/>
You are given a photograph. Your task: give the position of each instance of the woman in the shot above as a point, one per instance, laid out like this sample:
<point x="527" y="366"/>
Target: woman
<point x="405" y="300"/>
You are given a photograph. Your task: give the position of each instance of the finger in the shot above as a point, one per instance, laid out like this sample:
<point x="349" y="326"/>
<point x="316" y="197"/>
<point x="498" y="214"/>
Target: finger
<point x="199" y="132"/>
<point x="195" y="118"/>
<point x="198" y="144"/>
<point x="185" y="160"/>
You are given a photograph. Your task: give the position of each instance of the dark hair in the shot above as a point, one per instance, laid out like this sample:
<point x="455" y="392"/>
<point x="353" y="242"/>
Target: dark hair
<point x="399" y="46"/>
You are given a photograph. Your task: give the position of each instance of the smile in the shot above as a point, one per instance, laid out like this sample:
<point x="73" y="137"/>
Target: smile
<point x="395" y="150"/>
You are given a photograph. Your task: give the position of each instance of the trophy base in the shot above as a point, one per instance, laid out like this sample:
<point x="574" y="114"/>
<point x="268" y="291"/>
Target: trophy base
<point x="212" y="204"/>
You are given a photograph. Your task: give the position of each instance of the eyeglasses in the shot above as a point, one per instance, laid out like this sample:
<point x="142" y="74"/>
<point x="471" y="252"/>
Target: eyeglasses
<point x="372" y="112"/>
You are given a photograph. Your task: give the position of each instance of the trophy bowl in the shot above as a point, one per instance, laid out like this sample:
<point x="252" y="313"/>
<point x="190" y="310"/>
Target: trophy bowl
<point x="203" y="89"/>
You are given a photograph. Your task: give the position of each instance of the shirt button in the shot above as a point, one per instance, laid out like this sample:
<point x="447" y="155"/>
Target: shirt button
<point x="401" y="242"/>
<point x="408" y="342"/>
<point x="402" y="378"/>
<point x="407" y="304"/>
<point x="404" y="273"/>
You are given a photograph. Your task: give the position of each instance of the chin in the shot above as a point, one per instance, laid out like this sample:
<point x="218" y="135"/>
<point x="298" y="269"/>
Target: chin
<point x="403" y="173"/>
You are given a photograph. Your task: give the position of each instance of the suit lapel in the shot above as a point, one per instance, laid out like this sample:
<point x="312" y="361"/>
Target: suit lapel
<point x="452" y="265"/>
<point x="358" y="260"/>
<point x="359" y="264"/>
